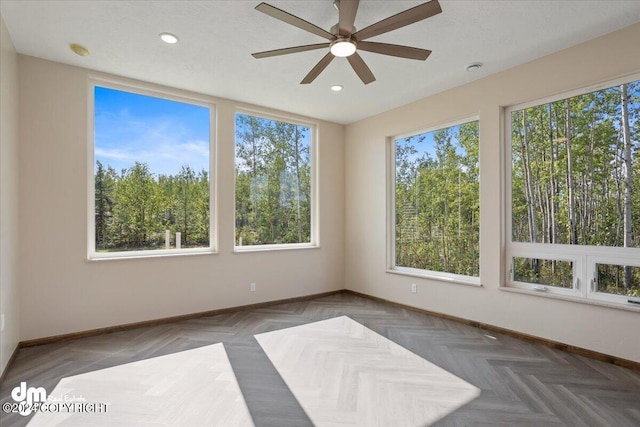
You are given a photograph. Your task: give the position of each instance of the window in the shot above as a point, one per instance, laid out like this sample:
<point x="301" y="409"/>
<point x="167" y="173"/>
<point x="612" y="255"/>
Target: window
<point x="435" y="203"/>
<point x="150" y="186"/>
<point x="573" y="200"/>
<point x="274" y="183"/>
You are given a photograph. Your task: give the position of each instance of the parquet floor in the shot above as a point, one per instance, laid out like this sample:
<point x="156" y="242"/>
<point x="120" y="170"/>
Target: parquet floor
<point x="521" y="383"/>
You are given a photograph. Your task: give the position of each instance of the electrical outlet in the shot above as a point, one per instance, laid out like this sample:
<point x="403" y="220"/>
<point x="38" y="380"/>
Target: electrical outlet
<point x="2" y="321"/>
<point x="414" y="288"/>
<point x="252" y="286"/>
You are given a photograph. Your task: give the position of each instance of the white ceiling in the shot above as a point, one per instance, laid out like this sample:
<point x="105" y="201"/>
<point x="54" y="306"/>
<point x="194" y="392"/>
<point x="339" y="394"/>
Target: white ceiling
<point x="217" y="38"/>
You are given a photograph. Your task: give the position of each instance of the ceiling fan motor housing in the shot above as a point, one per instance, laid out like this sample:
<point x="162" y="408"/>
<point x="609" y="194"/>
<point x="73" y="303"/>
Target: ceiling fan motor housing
<point x="336" y="29"/>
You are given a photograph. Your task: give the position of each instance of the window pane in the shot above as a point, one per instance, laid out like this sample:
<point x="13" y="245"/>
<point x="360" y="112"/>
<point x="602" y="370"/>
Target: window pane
<point x="543" y="272"/>
<point x="151" y="172"/>
<point x="572" y="170"/>
<point x="618" y="279"/>
<point x="437" y="207"/>
<point x="273" y="182"/>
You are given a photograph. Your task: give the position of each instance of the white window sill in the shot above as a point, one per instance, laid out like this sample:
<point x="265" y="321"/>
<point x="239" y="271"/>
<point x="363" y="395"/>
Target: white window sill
<point x="589" y="301"/>
<point x="265" y="248"/>
<point x="423" y="274"/>
<point x="160" y="253"/>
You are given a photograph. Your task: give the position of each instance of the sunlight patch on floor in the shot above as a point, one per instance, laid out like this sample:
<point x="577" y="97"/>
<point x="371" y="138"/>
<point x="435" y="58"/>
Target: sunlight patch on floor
<point x="343" y="373"/>
<point x="189" y="388"/>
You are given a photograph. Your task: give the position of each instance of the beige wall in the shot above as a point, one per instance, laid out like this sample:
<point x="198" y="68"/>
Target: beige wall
<point x="62" y="292"/>
<point x="8" y="196"/>
<point x="597" y="328"/>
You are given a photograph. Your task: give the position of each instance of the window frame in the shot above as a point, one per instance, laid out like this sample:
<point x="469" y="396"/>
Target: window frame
<point x="391" y="266"/>
<point x="162" y="93"/>
<point x="584" y="257"/>
<point x="314" y="240"/>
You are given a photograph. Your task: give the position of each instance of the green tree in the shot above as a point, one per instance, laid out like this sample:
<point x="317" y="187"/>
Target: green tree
<point x="104" y="187"/>
<point x="136" y="211"/>
<point x="273" y="182"/>
<point x="437" y="201"/>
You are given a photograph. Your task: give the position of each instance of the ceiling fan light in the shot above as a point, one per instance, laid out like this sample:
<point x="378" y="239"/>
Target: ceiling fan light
<point x="343" y="48"/>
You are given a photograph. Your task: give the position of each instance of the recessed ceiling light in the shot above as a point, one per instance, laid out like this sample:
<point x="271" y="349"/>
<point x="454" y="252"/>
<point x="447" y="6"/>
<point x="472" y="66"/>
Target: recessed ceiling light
<point x="474" y="67"/>
<point x="336" y="88"/>
<point x="169" y="38"/>
<point x="79" y="50"/>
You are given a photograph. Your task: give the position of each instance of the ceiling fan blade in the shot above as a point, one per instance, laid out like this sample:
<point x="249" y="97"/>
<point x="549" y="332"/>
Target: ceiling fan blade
<point x="293" y="20"/>
<point x="315" y="71"/>
<point x="400" y="20"/>
<point x="288" y="50"/>
<point x="361" y="69"/>
<point x="395" y="50"/>
<point x="348" y="9"/>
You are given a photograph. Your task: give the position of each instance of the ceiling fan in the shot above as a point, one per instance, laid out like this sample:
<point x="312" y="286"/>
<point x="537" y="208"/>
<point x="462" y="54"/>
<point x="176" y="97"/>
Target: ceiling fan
<point x="344" y="40"/>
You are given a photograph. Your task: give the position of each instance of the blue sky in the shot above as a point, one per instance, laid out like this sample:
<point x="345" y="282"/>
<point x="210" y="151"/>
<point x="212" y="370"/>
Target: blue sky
<point x="428" y="145"/>
<point x="163" y="134"/>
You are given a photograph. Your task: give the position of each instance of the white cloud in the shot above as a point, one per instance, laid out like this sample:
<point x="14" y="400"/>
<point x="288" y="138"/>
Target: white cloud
<point x="165" y="146"/>
<point x="114" y="154"/>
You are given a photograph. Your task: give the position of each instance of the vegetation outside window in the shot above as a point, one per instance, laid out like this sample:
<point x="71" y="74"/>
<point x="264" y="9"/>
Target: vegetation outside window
<point x="574" y="199"/>
<point x="436" y="206"/>
<point x="273" y="186"/>
<point x="151" y="175"/>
